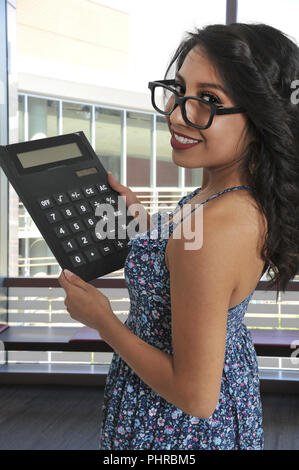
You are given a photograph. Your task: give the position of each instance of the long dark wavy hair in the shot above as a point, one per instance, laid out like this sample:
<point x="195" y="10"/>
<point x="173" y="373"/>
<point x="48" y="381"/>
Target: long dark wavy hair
<point x="259" y="65"/>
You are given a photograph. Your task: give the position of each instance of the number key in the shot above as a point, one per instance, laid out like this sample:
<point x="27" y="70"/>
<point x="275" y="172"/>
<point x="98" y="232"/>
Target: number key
<point x="83" y="208"/>
<point x="69" y="245"/>
<point x="61" y="231"/>
<point x="84" y="240"/>
<point x="77" y="260"/>
<point x="76" y="226"/>
<point x="53" y="216"/>
<point x="90" y="222"/>
<point x="68" y="212"/>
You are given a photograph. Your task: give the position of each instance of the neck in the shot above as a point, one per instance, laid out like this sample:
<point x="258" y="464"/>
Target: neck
<point x="210" y="184"/>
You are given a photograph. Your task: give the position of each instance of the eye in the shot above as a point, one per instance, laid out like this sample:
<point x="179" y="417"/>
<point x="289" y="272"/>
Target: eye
<point x="210" y="95"/>
<point x="179" y="88"/>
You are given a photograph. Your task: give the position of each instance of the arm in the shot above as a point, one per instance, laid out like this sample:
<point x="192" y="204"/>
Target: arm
<point x="152" y="365"/>
<point x="202" y="282"/>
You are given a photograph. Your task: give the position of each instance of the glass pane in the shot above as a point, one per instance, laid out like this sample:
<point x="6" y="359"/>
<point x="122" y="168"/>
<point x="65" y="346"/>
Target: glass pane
<point x="167" y="171"/>
<point x="42" y="117"/>
<point x="36" y="259"/>
<point x="21" y="117"/>
<point x="139" y="129"/>
<point x="76" y="117"/>
<point x="109" y="139"/>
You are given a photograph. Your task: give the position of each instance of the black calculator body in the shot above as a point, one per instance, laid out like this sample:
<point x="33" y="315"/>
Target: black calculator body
<point x="63" y="185"/>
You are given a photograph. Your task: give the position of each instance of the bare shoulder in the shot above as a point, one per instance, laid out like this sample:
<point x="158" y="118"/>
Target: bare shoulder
<point x="239" y="207"/>
<point x="242" y="205"/>
<point x="246" y="215"/>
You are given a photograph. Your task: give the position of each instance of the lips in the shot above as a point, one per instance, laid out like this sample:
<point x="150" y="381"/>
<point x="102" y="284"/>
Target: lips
<point x="180" y="145"/>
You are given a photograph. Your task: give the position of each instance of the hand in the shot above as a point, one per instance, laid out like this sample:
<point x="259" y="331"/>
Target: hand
<point x="84" y="302"/>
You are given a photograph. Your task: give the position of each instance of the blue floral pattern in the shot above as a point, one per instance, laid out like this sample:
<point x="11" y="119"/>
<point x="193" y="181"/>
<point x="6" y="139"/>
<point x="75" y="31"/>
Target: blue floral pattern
<point x="134" y="416"/>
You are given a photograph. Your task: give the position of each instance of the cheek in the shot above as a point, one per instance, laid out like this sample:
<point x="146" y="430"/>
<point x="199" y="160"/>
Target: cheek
<point x="225" y="130"/>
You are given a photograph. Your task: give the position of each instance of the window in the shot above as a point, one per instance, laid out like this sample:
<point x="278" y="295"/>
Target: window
<point x="108" y="139"/>
<point x="167" y="172"/>
<point x="139" y="131"/>
<point x="42" y="118"/>
<point x="76" y="117"/>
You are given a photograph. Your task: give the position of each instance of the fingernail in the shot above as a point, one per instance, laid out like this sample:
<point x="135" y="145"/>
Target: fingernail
<point x="68" y="274"/>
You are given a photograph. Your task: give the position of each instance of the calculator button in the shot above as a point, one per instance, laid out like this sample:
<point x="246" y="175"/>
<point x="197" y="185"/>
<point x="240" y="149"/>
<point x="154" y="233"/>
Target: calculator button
<point x="120" y="244"/>
<point x="69" y="245"/>
<point x="53" y="216"/>
<point x="92" y="254"/>
<point x="105" y="248"/>
<point x="68" y="212"/>
<point x="84" y="240"/>
<point x="61" y="231"/>
<point x="61" y="198"/>
<point x="122" y="230"/>
<point x="77" y="260"/>
<point x="83" y="208"/>
<point x="118" y="213"/>
<point x="75" y="194"/>
<point x="90" y="191"/>
<point x="76" y="226"/>
<point x="97" y="235"/>
<point x="111" y="233"/>
<point x="102" y="188"/>
<point x="95" y="202"/>
<point x="110" y="199"/>
<point x="90" y="222"/>
<point x="45" y="203"/>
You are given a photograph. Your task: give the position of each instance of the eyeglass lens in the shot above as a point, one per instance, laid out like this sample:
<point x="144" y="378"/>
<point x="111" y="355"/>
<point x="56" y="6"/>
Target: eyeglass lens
<point x="197" y="112"/>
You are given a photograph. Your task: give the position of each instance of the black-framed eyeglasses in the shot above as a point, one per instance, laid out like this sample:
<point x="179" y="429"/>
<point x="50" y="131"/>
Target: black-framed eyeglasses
<point x="200" y="115"/>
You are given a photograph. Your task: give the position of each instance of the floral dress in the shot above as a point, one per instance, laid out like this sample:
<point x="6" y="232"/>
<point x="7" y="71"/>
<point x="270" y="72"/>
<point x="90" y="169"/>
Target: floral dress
<point x="134" y="416"/>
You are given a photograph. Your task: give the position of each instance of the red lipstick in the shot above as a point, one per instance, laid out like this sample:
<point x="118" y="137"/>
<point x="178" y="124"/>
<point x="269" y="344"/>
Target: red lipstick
<point x="180" y="145"/>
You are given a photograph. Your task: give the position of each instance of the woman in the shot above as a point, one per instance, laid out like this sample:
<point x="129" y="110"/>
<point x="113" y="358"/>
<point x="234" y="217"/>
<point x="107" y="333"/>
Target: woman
<point x="184" y="373"/>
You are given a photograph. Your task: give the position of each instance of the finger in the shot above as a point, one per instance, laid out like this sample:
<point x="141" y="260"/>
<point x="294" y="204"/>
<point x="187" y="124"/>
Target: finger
<point x="74" y="280"/>
<point x="116" y="184"/>
<point x="63" y="281"/>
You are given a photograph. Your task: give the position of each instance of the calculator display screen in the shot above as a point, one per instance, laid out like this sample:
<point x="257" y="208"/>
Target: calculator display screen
<point x="49" y="155"/>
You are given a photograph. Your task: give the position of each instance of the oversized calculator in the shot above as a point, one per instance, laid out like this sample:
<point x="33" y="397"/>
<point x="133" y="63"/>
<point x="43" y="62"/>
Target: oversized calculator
<point x="64" y="186"/>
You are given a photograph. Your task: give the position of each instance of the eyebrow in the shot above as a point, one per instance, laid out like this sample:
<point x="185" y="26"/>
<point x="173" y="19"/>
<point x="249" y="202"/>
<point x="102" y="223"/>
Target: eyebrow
<point x="205" y="84"/>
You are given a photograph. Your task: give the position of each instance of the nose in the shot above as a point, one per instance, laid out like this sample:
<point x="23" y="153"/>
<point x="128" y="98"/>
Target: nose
<point x="191" y="112"/>
<point x="191" y="109"/>
<point x="176" y="117"/>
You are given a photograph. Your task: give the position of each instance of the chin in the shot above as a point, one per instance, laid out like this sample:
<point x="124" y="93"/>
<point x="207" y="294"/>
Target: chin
<point x="183" y="162"/>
